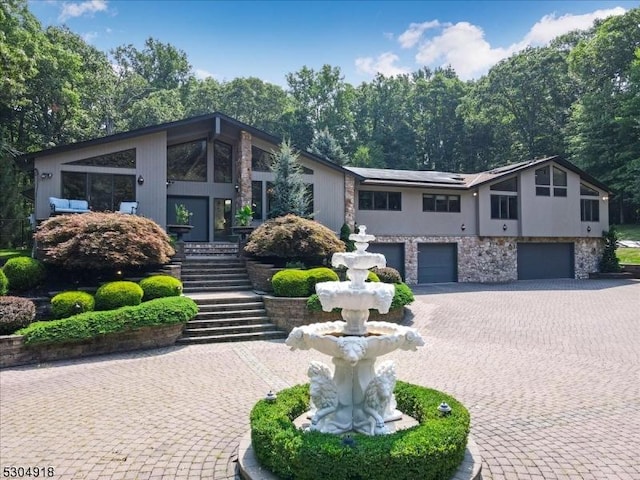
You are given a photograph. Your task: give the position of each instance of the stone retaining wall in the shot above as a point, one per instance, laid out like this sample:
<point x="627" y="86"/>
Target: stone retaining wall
<point x="260" y="275"/>
<point x="14" y="352"/>
<point x="287" y="313"/>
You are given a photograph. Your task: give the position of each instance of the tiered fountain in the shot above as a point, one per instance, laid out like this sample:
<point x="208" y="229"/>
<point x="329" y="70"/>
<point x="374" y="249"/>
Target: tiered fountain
<point x="358" y="397"/>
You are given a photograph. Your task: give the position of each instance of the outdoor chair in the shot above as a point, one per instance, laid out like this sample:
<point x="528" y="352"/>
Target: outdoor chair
<point x="130" y="208"/>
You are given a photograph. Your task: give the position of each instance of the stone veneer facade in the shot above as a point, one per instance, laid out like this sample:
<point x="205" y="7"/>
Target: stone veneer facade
<point x="244" y="171"/>
<point x="349" y="200"/>
<point x="494" y="259"/>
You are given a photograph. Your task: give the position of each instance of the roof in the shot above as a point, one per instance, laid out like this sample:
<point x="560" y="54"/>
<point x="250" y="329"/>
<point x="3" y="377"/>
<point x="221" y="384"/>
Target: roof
<point x="26" y="160"/>
<point x="461" y="181"/>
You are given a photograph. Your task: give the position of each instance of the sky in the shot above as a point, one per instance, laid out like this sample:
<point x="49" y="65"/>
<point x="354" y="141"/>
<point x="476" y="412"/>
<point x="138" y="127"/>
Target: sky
<point x="268" y="39"/>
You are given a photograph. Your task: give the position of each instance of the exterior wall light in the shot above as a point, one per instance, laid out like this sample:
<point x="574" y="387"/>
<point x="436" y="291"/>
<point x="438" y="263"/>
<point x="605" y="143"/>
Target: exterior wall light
<point x="463" y="227"/>
<point x="140" y="179"/>
<point x="504" y="227"/>
<point x="588" y="228"/>
<point x="475" y="194"/>
<point x="605" y="198"/>
<point x="237" y="187"/>
<point x="46" y="175"/>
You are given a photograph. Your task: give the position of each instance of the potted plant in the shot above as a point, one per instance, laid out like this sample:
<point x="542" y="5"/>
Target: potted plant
<point x="183" y="221"/>
<point x="242" y="227"/>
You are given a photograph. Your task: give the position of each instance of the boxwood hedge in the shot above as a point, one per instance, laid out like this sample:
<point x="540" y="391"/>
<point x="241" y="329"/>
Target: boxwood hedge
<point x="162" y="311"/>
<point x="432" y="450"/>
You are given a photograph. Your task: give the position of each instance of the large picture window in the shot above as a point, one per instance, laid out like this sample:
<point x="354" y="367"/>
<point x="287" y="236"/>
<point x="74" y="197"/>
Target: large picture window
<point x="222" y="162"/>
<point x="122" y="159"/>
<point x="260" y="160"/>
<point x="370" y="200"/>
<point x="544" y="176"/>
<point x="440" y="203"/>
<point x="187" y="161"/>
<point x="103" y="191"/>
<point x="504" y="207"/>
<point x="589" y="210"/>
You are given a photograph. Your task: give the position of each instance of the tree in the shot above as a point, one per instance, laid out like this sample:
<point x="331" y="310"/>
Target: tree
<point x="289" y="190"/>
<point x="325" y="146"/>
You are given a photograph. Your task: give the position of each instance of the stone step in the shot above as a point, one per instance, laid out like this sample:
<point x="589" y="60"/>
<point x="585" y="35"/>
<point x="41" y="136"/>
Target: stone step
<point x="225" y="288"/>
<point x="191" y="271"/>
<point x="231" y="314"/>
<point x="227" y="330"/>
<point x="214" y="282"/>
<point x="215" y="276"/>
<point x="205" y="323"/>
<point x="236" y="337"/>
<point x="232" y="303"/>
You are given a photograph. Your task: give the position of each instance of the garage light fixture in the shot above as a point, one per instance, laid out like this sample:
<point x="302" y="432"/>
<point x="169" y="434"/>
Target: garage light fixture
<point x="504" y="227"/>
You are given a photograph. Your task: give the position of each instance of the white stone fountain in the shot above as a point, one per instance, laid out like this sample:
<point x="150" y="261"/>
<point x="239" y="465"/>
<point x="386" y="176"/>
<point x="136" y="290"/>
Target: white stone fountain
<point x="358" y="397"/>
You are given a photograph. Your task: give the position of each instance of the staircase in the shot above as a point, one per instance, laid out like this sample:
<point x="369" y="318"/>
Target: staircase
<point x="217" y="280"/>
<point x="229" y="318"/>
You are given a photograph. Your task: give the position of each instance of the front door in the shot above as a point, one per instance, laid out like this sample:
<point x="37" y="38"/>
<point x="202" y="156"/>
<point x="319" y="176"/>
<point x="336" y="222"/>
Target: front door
<point x="222" y="219"/>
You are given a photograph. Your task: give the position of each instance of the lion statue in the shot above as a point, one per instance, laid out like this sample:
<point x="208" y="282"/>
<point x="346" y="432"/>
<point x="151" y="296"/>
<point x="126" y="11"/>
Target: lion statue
<point x="323" y="392"/>
<point x="379" y="394"/>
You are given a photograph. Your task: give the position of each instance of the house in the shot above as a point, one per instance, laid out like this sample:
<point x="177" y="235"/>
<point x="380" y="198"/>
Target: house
<point x="538" y="219"/>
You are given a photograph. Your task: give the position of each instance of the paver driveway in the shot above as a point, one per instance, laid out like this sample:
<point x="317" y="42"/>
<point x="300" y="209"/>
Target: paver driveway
<point x="550" y="372"/>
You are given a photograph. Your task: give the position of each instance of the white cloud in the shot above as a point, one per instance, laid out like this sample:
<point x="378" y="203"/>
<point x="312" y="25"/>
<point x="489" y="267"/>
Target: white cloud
<point x="384" y="64"/>
<point x="202" y="74"/>
<point x="464" y="47"/>
<point x="411" y="36"/>
<point x="89" y="36"/>
<point x="550" y="26"/>
<point x="89" y="7"/>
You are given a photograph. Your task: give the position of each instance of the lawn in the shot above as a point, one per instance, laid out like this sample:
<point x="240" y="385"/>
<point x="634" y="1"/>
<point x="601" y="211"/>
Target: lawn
<point x="7" y="253"/>
<point x="628" y="232"/>
<point x="628" y="255"/>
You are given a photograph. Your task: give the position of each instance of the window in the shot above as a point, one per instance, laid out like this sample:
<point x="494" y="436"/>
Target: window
<point x="103" y="191"/>
<point x="589" y="210"/>
<point x="369" y="200"/>
<point x="222" y="163"/>
<point x="588" y="191"/>
<point x="543" y="182"/>
<point x="256" y="199"/>
<point x="260" y="160"/>
<point x="509" y="185"/>
<point x="187" y="161"/>
<point x="122" y="159"/>
<point x="440" y="203"/>
<point x="504" y="207"/>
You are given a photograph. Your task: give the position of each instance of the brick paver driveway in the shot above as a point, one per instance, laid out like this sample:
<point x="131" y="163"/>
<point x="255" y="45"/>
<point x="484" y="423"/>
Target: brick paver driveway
<point x="549" y="371"/>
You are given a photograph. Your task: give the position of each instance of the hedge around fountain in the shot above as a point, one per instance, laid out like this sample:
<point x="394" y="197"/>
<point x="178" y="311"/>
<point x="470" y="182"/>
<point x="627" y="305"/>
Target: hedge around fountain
<point x="432" y="450"/>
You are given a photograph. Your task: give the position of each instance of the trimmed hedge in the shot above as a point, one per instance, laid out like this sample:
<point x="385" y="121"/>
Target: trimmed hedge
<point x="15" y="313"/>
<point x="24" y="273"/>
<point x="372" y="277"/>
<point x="66" y="304"/>
<point x="160" y="286"/>
<point x="118" y="294"/>
<point x="433" y="450"/>
<point x="290" y="283"/>
<point x="4" y="283"/>
<point x="318" y="275"/>
<point x="162" y="311"/>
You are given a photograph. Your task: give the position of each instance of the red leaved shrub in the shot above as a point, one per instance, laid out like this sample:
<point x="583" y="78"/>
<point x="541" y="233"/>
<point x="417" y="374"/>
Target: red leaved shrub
<point x="15" y="313"/>
<point x="102" y="240"/>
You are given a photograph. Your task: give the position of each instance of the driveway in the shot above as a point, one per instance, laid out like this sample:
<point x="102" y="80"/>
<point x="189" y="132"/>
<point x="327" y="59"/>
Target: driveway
<point x="550" y="371"/>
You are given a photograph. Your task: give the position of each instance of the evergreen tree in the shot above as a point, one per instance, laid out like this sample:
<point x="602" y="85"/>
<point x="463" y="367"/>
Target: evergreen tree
<point x="609" y="261"/>
<point x="289" y="190"/>
<point x="325" y="146"/>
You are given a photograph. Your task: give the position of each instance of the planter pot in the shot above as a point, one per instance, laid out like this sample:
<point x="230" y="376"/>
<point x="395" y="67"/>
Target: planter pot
<point x="179" y="230"/>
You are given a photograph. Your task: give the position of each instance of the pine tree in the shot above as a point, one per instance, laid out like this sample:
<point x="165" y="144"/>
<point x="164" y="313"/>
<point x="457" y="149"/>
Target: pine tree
<point x="609" y="261"/>
<point x="327" y="147"/>
<point x="289" y="190"/>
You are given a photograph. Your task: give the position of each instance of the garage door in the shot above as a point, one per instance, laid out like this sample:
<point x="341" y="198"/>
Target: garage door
<point x="437" y="262"/>
<point x="393" y="252"/>
<point x="545" y="260"/>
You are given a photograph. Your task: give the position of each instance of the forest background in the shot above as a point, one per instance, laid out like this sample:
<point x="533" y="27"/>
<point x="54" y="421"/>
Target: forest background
<point x="578" y="97"/>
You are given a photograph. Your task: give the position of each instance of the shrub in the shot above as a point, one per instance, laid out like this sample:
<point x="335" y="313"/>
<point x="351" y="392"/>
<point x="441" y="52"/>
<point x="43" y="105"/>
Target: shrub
<point x="609" y="262"/>
<point x="290" y="283"/>
<point x="402" y="296"/>
<point x="161" y="311"/>
<point x="23" y="273"/>
<point x="372" y="277"/>
<point x="158" y="286"/>
<point x="345" y="231"/>
<point x="432" y="450"/>
<point x="320" y="274"/>
<point x="15" y="313"/>
<point x="103" y="240"/>
<point x="388" y="274"/>
<point x="4" y="283"/>
<point x="118" y="294"/>
<point x="293" y="238"/>
<point x="66" y="304"/>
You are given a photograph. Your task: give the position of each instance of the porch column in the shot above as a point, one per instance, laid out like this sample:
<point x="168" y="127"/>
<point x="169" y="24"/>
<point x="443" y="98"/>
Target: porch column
<point x="243" y="193"/>
<point x="349" y="200"/>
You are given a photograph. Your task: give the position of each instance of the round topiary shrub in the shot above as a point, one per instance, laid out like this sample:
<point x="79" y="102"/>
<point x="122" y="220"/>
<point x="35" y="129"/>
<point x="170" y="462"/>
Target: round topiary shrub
<point x="159" y="286"/>
<point x="4" y="283"/>
<point x="388" y="274"/>
<point x="290" y="283"/>
<point x="99" y="240"/>
<point x="372" y="277"/>
<point x="432" y="450"/>
<point x="293" y="238"/>
<point x="15" y="313"/>
<point x="118" y="294"/>
<point x="318" y="275"/>
<point x="24" y="273"/>
<point x="66" y="304"/>
<point x="402" y="296"/>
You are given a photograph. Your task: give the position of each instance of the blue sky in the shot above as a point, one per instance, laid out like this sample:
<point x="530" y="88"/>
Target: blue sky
<point x="268" y="39"/>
